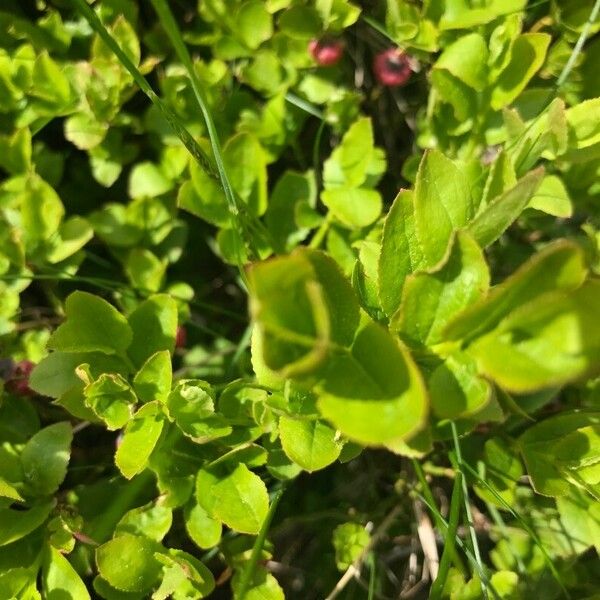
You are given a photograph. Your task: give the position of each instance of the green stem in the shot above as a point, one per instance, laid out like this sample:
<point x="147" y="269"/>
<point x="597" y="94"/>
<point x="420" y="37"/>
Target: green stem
<point x="579" y="45"/>
<point x="467" y="505"/>
<point x="439" y="523"/>
<point x="248" y="571"/>
<point x="170" y="26"/>
<point x="174" y="121"/>
<point x="320" y="234"/>
<point x="449" y="540"/>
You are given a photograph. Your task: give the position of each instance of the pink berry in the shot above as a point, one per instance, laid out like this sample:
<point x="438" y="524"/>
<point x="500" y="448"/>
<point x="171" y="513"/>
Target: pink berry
<point x="181" y="337"/>
<point x="392" y="67"/>
<point x="326" y="51"/>
<point x="18" y="381"/>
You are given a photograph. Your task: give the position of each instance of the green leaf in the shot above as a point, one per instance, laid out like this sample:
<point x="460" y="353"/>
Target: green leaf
<point x="16" y="524"/>
<point x="503" y="210"/>
<point x="153" y="380"/>
<point x="184" y="577"/>
<point x="92" y="325"/>
<point x="466" y="59"/>
<point x="127" y="563"/>
<point x="401" y="252"/>
<point x="239" y="498"/>
<point x="349" y="541"/>
<point x="302" y="306"/>
<point x="151" y="520"/>
<point x="443" y="204"/>
<point x="583" y="121"/>
<point x="374" y="393"/>
<point x="353" y="207"/>
<point x="72" y="235"/>
<point x="580" y="516"/>
<point x="139" y="439"/>
<point x="41" y="209"/>
<point x="462" y="14"/>
<point x="55" y="374"/>
<point x="552" y="198"/>
<point x="547" y="342"/>
<point x="300" y="22"/>
<point x="60" y="580"/>
<point x="145" y="270"/>
<point x="253" y="23"/>
<point x="430" y="300"/>
<point x="311" y="444"/>
<point x="540" y="446"/>
<point x="191" y="406"/>
<point x="85" y="131"/>
<point x="204" y="531"/>
<point x="147" y="181"/>
<point x="111" y="399"/>
<point x="559" y="266"/>
<point x="455" y="388"/>
<point x="527" y="55"/>
<point x="349" y="163"/>
<point x="263" y="586"/>
<point x="154" y="326"/>
<point x="45" y="458"/>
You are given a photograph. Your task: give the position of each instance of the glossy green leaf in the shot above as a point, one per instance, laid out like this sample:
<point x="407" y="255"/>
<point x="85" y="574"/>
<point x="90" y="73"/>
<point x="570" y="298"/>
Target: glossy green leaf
<point x="239" y="498"/>
<point x="302" y="305"/>
<point x="92" y="325"/>
<point x="401" y="252"/>
<point x="154" y="325"/>
<point x="128" y="564"/>
<point x="548" y="342"/>
<point x="559" y="266"/>
<point x="139" y="439"/>
<point x="527" y="55"/>
<point x="153" y="380"/>
<point x="456" y="389"/>
<point x="41" y="209"/>
<point x="503" y="210"/>
<point x="311" y="444"/>
<point x="430" y="300"/>
<point x="45" y="458"/>
<point x="552" y="198"/>
<point x="204" y="531"/>
<point x="60" y="579"/>
<point x="373" y="393"/>
<point x="111" y="399"/>
<point x="151" y="520"/>
<point x="466" y="59"/>
<point x="253" y="23"/>
<point x="443" y="204"/>
<point x="16" y="524"/>
<point x="353" y="207"/>
<point x="540" y="444"/>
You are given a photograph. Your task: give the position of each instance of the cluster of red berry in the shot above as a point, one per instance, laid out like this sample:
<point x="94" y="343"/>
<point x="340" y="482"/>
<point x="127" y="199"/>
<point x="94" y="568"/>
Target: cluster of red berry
<point x="391" y="67"/>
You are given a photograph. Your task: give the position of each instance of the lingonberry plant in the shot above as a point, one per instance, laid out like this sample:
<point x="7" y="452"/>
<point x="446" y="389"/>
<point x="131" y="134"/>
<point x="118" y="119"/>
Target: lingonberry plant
<point x="272" y="330"/>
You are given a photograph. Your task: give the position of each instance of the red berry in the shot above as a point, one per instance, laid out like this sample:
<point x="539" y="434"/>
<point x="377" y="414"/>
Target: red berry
<point x="181" y="337"/>
<point x="392" y="67"/>
<point x="18" y="381"/>
<point x="326" y="51"/>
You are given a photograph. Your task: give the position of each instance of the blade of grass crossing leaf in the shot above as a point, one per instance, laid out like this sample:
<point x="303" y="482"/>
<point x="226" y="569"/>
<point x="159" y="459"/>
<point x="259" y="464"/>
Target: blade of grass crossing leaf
<point x="250" y="567"/>
<point x="467" y="505"/>
<point x="579" y="45"/>
<point x="458" y="563"/>
<point x="522" y="522"/>
<point x="174" y="121"/>
<point x="449" y="539"/>
<point x="170" y="26"/>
